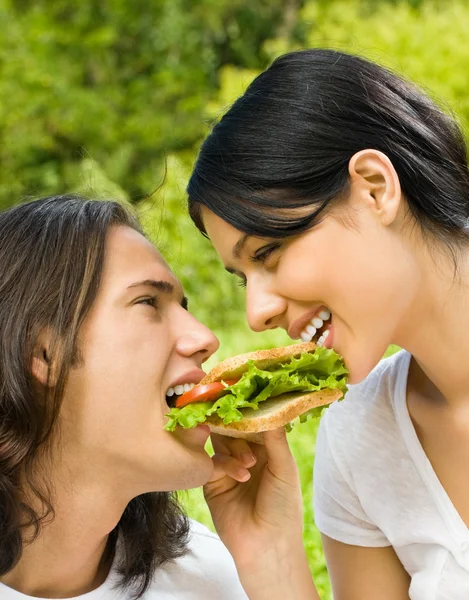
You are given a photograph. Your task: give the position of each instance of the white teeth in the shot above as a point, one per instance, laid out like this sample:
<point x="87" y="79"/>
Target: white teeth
<point x="323" y="338"/>
<point x="180" y="389"/>
<point x="316" y="323"/>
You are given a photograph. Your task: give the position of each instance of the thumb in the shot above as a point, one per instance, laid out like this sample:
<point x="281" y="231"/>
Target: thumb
<point x="279" y="456"/>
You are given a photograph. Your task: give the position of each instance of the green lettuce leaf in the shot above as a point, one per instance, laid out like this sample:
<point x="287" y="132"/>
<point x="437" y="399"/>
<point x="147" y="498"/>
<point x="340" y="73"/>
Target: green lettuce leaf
<point x="314" y="413"/>
<point x="308" y="373"/>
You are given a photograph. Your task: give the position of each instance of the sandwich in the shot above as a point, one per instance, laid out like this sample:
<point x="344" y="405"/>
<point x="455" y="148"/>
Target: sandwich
<point x="259" y="391"/>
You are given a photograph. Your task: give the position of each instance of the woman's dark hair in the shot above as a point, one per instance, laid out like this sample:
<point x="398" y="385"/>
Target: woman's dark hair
<point x="286" y="143"/>
<point x="51" y="262"/>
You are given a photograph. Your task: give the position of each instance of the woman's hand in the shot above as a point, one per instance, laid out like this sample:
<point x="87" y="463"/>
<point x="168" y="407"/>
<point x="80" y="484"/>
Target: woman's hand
<point x="254" y="493"/>
<point x="255" y="500"/>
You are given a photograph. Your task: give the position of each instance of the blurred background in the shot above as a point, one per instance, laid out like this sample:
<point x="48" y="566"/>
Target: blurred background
<point x="112" y="98"/>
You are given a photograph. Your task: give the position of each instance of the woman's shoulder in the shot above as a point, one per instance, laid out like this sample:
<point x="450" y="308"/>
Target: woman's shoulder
<point x="360" y="451"/>
<point x="369" y="407"/>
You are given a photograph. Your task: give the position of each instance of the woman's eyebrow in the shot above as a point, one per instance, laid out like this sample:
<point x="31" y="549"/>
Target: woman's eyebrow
<point x="238" y="247"/>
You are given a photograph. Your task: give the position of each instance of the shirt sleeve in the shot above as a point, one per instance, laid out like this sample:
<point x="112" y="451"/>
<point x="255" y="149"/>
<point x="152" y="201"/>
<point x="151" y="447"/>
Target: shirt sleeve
<point x="337" y="507"/>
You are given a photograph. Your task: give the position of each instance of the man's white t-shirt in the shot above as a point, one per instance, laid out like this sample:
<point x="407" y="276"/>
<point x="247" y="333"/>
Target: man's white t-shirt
<point x="374" y="486"/>
<point x="206" y="572"/>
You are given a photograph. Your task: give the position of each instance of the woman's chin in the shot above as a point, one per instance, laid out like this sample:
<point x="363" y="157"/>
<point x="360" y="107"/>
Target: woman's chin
<point x="361" y="362"/>
<point x="355" y="377"/>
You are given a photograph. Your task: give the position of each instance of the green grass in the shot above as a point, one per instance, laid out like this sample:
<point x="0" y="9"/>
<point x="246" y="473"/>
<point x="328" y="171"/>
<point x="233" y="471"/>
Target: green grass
<point x="302" y="442"/>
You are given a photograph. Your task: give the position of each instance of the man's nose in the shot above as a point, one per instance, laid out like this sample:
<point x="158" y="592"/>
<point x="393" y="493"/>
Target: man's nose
<point x="197" y="339"/>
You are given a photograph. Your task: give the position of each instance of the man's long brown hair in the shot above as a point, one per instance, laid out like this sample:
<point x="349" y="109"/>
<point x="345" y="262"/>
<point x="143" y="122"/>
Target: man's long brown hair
<point x="51" y="262"/>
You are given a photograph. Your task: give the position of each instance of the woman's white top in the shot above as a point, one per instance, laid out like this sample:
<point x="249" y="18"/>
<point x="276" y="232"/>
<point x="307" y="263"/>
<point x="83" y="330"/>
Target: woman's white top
<point x="206" y="572"/>
<point x="374" y="486"/>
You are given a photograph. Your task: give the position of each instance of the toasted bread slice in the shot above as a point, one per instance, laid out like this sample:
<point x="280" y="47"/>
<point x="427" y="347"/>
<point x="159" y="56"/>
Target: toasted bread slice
<point x="273" y="413"/>
<point x="234" y="367"/>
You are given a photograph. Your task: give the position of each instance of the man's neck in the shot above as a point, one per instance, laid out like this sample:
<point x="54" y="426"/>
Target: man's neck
<point x="69" y="556"/>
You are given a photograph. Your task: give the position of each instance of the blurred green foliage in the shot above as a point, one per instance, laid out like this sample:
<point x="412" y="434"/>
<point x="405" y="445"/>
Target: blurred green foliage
<point x="120" y="81"/>
<point x="95" y="95"/>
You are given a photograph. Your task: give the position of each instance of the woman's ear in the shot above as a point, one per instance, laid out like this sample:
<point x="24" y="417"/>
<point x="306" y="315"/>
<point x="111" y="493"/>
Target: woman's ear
<point x="375" y="174"/>
<point x="41" y="367"/>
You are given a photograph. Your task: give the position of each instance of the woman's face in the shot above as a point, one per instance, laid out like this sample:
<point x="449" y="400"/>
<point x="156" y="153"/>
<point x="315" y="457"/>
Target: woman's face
<point x="137" y="341"/>
<point x="350" y="265"/>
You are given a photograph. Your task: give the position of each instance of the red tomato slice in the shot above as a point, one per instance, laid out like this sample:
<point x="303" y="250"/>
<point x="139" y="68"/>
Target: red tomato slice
<point x="204" y="393"/>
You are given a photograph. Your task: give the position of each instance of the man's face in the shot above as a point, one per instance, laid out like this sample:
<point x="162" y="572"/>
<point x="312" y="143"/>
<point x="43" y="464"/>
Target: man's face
<point x="137" y="341"/>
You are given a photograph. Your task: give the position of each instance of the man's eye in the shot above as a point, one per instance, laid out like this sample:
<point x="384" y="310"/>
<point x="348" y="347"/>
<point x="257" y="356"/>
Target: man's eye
<point x="263" y="253"/>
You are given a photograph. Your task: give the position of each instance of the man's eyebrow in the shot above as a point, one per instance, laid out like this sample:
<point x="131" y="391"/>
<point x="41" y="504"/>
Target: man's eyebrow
<point x="161" y="285"/>
<point x="238" y="247"/>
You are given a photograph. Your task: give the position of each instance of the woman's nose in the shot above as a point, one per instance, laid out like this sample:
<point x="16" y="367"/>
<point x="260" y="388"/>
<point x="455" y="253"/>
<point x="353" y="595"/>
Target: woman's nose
<point x="264" y="309"/>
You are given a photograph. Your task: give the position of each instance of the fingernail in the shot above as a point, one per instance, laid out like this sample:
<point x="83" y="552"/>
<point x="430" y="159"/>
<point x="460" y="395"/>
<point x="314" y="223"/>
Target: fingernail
<point x="243" y="475"/>
<point x="248" y="459"/>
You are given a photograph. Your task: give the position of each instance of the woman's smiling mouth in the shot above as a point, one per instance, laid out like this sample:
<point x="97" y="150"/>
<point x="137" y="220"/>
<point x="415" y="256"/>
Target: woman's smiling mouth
<point x="312" y="327"/>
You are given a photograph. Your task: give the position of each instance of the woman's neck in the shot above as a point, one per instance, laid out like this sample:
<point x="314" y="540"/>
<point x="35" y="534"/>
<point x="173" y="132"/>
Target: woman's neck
<point x="436" y="331"/>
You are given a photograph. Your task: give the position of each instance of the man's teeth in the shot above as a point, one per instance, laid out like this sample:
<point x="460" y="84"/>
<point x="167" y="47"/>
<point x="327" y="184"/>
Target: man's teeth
<point x="316" y="323"/>
<point x="178" y="390"/>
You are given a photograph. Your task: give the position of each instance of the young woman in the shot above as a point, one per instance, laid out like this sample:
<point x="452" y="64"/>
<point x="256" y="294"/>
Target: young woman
<point x="339" y="194"/>
<point x="94" y="330"/>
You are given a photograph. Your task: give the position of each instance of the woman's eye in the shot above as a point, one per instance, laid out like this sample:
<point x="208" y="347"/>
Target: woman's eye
<point x="242" y="283"/>
<point x="150" y="301"/>
<point x="263" y="253"/>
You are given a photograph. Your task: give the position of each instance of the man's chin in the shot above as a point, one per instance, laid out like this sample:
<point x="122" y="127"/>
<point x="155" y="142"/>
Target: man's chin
<point x="199" y="473"/>
<point x="194" y="438"/>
